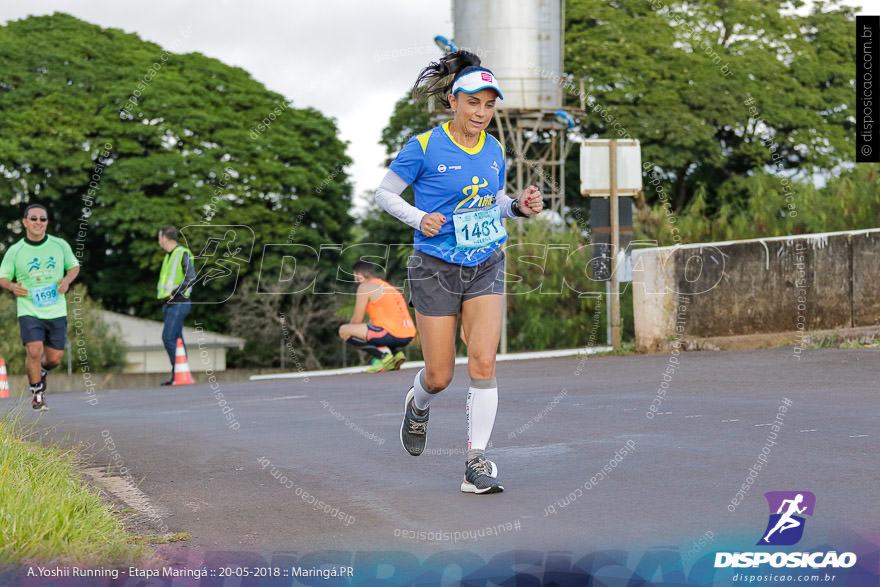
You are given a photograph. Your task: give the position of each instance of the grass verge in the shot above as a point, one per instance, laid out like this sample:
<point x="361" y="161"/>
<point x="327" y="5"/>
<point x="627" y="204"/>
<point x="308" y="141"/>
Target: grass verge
<point x="626" y="348"/>
<point x="836" y="341"/>
<point x="47" y="514"/>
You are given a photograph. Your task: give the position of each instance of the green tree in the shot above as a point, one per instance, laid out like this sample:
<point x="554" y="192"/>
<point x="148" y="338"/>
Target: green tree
<point x="408" y="119"/>
<point x="377" y="226"/>
<point x="850" y="201"/>
<point x="738" y="106"/>
<point x="681" y="77"/>
<point x="553" y="301"/>
<point x="166" y="138"/>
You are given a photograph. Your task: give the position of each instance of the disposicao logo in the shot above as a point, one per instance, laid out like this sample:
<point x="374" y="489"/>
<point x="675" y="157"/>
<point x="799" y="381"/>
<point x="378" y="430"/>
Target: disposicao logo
<point x="785" y="528"/>
<point x="786" y="525"/>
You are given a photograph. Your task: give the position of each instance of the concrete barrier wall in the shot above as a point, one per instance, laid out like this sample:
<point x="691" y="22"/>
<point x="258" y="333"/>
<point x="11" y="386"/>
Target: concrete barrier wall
<point x="786" y="284"/>
<point x="866" y="278"/>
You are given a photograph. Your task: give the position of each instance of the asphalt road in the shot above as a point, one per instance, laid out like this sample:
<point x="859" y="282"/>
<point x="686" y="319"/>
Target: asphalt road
<point x="560" y="422"/>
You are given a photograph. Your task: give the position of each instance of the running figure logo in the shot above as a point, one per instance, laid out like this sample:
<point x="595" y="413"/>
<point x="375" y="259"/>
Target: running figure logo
<point x="473" y="198"/>
<point x="786" y="526"/>
<point x="220" y="252"/>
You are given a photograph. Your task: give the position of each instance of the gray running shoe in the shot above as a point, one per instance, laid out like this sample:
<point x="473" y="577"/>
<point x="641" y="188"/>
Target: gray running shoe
<point x="414" y="429"/>
<point x="481" y="477"/>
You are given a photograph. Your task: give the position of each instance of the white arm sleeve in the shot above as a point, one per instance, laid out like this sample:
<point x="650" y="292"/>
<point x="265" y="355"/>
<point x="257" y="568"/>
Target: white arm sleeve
<point x="505" y="202"/>
<point x="388" y="198"/>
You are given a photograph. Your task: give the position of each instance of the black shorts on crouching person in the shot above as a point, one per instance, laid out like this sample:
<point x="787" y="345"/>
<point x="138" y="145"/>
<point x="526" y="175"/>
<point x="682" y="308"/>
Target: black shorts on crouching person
<point x="438" y="288"/>
<point x="378" y="336"/>
<point x="52" y="332"/>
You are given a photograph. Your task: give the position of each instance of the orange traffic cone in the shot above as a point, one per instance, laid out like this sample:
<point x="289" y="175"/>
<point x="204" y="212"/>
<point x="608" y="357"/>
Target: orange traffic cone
<point x="182" y="375"/>
<point x="4" y="380"/>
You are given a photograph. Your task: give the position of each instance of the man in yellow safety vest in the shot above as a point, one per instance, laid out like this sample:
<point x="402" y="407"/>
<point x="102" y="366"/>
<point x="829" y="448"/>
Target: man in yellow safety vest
<point x="175" y="285"/>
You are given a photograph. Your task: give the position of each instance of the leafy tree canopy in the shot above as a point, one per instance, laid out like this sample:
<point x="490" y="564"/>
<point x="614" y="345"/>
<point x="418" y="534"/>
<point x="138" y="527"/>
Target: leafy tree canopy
<point x="164" y="138"/>
<point x="717" y="90"/>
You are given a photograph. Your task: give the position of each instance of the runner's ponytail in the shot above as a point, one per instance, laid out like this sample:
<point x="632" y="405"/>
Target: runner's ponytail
<point x="438" y="77"/>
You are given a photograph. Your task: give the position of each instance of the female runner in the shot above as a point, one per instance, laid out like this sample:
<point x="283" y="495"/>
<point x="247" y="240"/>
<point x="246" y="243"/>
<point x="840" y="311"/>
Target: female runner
<point x="457" y="173"/>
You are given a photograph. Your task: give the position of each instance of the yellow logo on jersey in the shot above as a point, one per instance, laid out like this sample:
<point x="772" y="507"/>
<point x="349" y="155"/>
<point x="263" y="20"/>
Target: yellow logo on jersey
<point x="473" y="198"/>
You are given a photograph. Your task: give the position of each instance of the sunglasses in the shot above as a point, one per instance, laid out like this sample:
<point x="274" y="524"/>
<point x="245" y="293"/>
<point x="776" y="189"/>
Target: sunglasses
<point x="40" y="218"/>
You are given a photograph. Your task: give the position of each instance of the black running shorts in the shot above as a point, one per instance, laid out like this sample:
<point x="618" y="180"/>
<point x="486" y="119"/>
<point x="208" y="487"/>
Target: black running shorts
<point x="438" y="288"/>
<point x="378" y="336"/>
<point x="52" y="332"/>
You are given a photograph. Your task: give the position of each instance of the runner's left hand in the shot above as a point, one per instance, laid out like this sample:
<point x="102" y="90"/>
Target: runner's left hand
<point x="62" y="286"/>
<point x="531" y="202"/>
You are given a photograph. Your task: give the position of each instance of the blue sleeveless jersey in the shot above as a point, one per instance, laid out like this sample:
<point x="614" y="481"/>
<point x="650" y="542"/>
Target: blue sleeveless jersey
<point x="451" y="179"/>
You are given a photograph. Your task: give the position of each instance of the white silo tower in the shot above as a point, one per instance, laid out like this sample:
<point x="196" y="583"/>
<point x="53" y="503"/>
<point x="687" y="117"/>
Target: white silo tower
<point x="521" y="41"/>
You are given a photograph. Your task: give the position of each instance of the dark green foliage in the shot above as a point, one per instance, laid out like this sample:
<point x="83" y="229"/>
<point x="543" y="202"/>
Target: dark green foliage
<point x="848" y="202"/>
<point x="553" y="302"/>
<point x="678" y="76"/>
<point x="175" y="139"/>
<point x="738" y="105"/>
<point x="377" y="226"/>
<point x="409" y="119"/>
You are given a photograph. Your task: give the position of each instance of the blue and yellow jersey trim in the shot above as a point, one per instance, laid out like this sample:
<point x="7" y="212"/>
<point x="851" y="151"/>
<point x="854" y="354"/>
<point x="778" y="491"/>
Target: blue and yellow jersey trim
<point x="500" y="146"/>
<point x="469" y="150"/>
<point x="426" y="136"/>
<point x="423" y="140"/>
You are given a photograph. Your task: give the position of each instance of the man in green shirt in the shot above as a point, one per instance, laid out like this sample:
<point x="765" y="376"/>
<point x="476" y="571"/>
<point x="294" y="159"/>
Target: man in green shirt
<point x="38" y="270"/>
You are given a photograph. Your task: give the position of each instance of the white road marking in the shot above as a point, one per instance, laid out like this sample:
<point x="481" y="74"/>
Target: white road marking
<point x="859" y="436"/>
<point x="420" y="364"/>
<point x="124" y="489"/>
<point x="695" y="416"/>
<point x="736" y="420"/>
<point x="809" y="430"/>
<point x="267" y="399"/>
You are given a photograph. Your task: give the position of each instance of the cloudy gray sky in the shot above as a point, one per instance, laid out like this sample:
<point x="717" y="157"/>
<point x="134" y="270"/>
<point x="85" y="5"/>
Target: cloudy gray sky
<point x="350" y="59"/>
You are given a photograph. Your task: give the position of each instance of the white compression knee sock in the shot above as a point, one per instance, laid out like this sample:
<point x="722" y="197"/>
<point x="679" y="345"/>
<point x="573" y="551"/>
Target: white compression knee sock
<point x="422" y="398"/>
<point x="482" y="403"/>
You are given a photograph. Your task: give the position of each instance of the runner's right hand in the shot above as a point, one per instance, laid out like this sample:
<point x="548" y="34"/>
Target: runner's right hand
<point x="19" y="291"/>
<point x="431" y="223"/>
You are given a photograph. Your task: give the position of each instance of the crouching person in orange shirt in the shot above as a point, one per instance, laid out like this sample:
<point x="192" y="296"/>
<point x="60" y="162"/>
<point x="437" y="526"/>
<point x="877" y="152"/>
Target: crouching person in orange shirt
<point x="390" y="328"/>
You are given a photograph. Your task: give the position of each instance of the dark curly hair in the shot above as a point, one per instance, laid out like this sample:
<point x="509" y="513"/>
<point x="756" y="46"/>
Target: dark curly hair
<point x="437" y="79"/>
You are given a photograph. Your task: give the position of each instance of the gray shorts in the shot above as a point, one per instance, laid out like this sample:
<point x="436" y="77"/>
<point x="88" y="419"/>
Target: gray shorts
<point x="438" y="288"/>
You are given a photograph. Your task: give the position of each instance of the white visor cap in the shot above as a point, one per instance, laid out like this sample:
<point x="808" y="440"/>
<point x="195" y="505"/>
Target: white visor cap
<point x="475" y="81"/>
